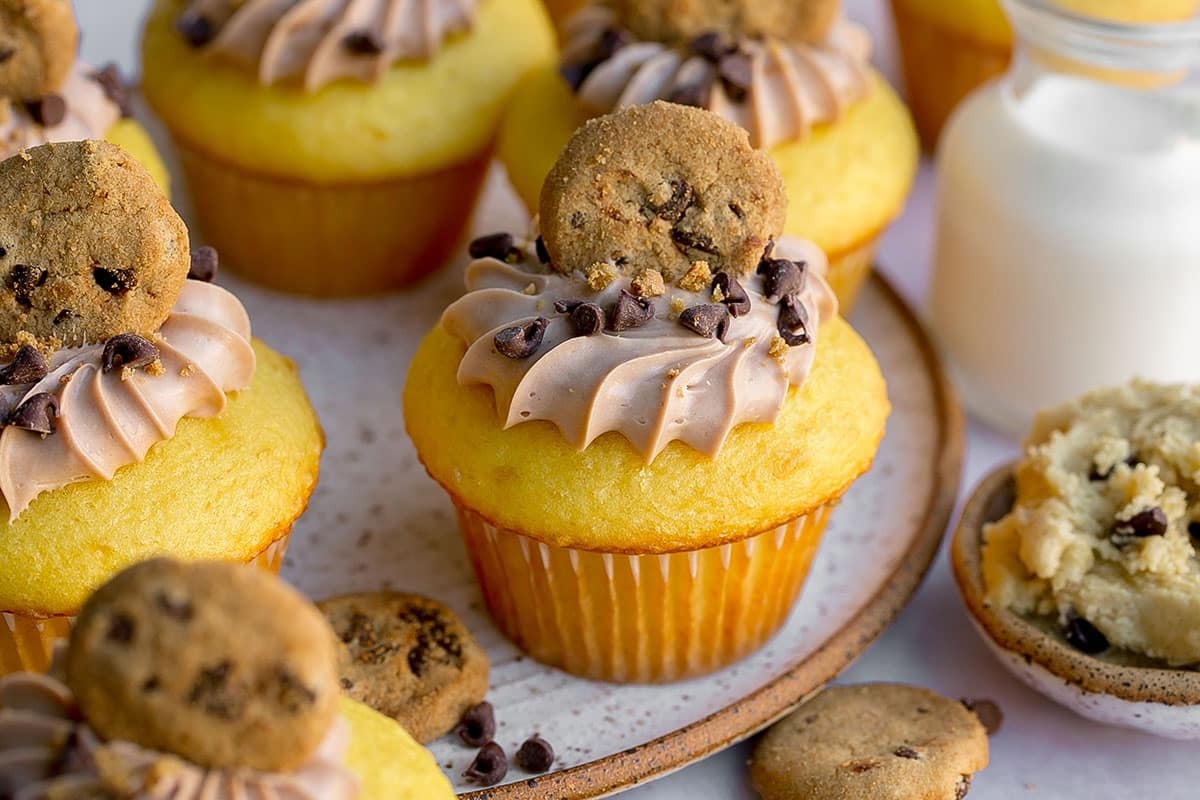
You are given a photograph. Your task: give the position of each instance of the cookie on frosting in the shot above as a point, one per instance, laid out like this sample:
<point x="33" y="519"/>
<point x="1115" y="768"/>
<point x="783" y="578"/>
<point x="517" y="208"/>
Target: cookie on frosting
<point x="218" y="663"/>
<point x="871" y="742"/>
<point x="408" y="657"/>
<point x="38" y="39"/>
<point x="89" y="246"/>
<point x="661" y="187"/>
<point x="681" y="20"/>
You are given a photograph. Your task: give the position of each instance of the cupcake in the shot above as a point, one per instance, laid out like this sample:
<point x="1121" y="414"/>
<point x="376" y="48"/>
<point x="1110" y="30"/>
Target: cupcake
<point x="948" y="49"/>
<point x="201" y="681"/>
<point x="645" y="411"/>
<point x="47" y="95"/>
<point x="795" y="75"/>
<point x="140" y="417"/>
<point x="337" y="148"/>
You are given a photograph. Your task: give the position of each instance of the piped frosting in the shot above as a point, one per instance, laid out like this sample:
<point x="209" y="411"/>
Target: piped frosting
<point x="318" y="42"/>
<point x="108" y="420"/>
<point x="777" y="90"/>
<point x="89" y="114"/>
<point x="655" y="383"/>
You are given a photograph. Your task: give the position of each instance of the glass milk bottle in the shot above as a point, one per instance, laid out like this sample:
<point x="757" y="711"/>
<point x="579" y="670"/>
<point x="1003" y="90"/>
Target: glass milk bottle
<point x="1068" y="244"/>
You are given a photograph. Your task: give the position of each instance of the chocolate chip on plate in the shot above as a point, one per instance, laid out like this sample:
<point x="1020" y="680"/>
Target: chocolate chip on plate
<point x="127" y="350"/>
<point x="27" y="366"/>
<point x="205" y="263"/>
<point x="521" y="341"/>
<point x="629" y="312"/>
<point x="535" y="755"/>
<point x="1084" y="636"/>
<point x="710" y="320"/>
<point x="36" y="414"/>
<point x="489" y="767"/>
<point x="477" y="726"/>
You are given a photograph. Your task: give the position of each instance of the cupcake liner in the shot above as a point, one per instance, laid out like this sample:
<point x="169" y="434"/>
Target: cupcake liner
<point x="848" y="272"/>
<point x="27" y="641"/>
<point x="331" y="240"/>
<point x="941" y="67"/>
<point x="641" y="618"/>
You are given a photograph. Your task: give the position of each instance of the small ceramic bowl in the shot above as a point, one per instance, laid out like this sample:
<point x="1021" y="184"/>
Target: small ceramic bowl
<point x="1116" y="688"/>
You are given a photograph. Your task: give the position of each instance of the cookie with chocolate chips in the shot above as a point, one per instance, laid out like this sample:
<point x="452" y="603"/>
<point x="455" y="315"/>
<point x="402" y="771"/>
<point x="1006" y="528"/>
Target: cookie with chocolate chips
<point x="871" y="742"/>
<point x="408" y="657"/>
<point x="89" y="246"/>
<point x="221" y="664"/>
<point x="38" y="40"/>
<point x="683" y="20"/>
<point x="660" y="187"/>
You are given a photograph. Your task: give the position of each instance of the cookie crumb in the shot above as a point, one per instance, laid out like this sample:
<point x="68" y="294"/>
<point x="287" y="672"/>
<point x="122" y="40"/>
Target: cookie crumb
<point x="779" y="348"/>
<point x="677" y="307"/>
<point x="697" y="278"/>
<point x="600" y="275"/>
<point x="187" y="370"/>
<point x="531" y="289"/>
<point x="156" y="368"/>
<point x="648" y="283"/>
<point x="717" y="295"/>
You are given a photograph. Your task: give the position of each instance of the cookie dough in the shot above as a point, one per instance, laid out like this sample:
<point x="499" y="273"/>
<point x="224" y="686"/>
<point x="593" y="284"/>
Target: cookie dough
<point x="660" y="187"/>
<point x="89" y="246"/>
<point x="38" y="40"/>
<point x="682" y="20"/>
<point x="1107" y="521"/>
<point x="408" y="657"/>
<point x="871" y="742"/>
<point x="221" y="664"/>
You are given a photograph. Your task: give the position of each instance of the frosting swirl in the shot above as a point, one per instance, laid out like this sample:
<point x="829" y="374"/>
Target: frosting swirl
<point x="780" y="90"/>
<point x="653" y="384"/>
<point x="46" y="752"/>
<point x="109" y="420"/>
<point x="90" y="114"/>
<point x="321" y="41"/>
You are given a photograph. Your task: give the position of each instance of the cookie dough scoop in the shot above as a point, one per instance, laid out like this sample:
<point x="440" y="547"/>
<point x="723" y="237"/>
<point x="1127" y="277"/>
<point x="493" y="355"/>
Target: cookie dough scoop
<point x="677" y="21"/>
<point x="38" y="40"/>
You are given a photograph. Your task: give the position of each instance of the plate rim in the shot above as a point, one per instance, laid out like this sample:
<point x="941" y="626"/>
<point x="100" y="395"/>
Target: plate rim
<point x="745" y="717"/>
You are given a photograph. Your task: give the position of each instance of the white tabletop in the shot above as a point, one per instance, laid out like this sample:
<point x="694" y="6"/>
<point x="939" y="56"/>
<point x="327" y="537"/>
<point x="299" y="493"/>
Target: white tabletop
<point x="1042" y="751"/>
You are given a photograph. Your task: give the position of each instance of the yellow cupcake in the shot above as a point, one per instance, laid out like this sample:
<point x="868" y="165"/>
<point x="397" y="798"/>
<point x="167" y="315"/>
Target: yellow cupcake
<point x="343" y="160"/>
<point x="948" y="49"/>
<point x="848" y="157"/>
<point x="636" y="507"/>
<point x="389" y="763"/>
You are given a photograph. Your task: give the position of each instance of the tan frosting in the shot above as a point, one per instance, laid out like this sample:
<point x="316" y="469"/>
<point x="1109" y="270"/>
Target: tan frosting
<point x="107" y="421"/>
<point x="794" y="85"/>
<point x="90" y="115"/>
<point x="654" y="384"/>
<point x="46" y="753"/>
<point x="307" y="40"/>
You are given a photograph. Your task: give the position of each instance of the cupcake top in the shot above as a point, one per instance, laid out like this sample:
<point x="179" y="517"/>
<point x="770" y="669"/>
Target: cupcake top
<point x="774" y="68"/>
<point x="658" y="300"/>
<point x="161" y="693"/>
<point x="45" y="94"/>
<point x="317" y="42"/>
<point x="109" y="333"/>
<point x="1105" y="534"/>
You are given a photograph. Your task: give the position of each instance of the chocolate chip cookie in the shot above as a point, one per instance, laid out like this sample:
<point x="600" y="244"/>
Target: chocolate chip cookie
<point x="408" y="657"/>
<point x="871" y="742"/>
<point x="683" y="20"/>
<point x="660" y="187"/>
<point x="38" y="39"/>
<point x="221" y="664"/>
<point x="89" y="246"/>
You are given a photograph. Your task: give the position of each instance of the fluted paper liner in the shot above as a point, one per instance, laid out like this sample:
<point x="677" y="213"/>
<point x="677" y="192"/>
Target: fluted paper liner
<point x="641" y="618"/>
<point x="27" y="641"/>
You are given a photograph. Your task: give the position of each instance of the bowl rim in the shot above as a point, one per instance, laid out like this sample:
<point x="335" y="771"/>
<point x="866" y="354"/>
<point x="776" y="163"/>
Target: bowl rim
<point x="991" y="499"/>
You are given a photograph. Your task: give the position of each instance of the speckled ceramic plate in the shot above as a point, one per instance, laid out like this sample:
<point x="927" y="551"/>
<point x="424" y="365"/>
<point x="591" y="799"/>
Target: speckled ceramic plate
<point x="377" y="521"/>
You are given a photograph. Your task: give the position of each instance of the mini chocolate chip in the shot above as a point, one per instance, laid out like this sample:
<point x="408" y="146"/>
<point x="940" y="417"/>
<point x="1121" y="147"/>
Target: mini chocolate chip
<point x="542" y="253"/>
<point x="196" y="29"/>
<point x="151" y="684"/>
<point x="48" y="110"/>
<point x="578" y="220"/>
<point x="289" y="692"/>
<point x="500" y="246"/>
<point x="1096" y="475"/>
<point x="988" y="713"/>
<point x="121" y="628"/>
<point x="364" y="43"/>
<point x="1084" y="636"/>
<point x="115" y="89"/>
<point x="629" y="312"/>
<point x="1194" y="530"/>
<point x="66" y="315"/>
<point x="709" y="320"/>
<point x="489" y="767"/>
<point x="682" y="197"/>
<point x="793" y="321"/>
<point x="694" y="240"/>
<point x="696" y="94"/>
<point x="588" y="319"/>
<point x="37" y="413"/>
<point x="963" y="787"/>
<point x="711" y="46"/>
<point x="211" y="692"/>
<point x="1151" y="522"/>
<point x="611" y="41"/>
<point x="23" y="280"/>
<point x="782" y="277"/>
<point x="521" y="341"/>
<point x="205" y="263"/>
<point x="477" y="726"/>
<point x="127" y="350"/>
<point x="3" y="251"/>
<point x="176" y="609"/>
<point x="346" y="684"/>
<point x="535" y="755"/>
<point x="6" y="53"/>
<point x="735" y="297"/>
<point x="904" y="751"/>
<point x="737" y="75"/>
<point x="27" y="366"/>
<point x="115" y="281"/>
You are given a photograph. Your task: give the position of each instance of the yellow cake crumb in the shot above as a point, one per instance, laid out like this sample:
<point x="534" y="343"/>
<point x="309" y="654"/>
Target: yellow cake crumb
<point x="648" y="283"/>
<point x="600" y="275"/>
<point x="697" y="278"/>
